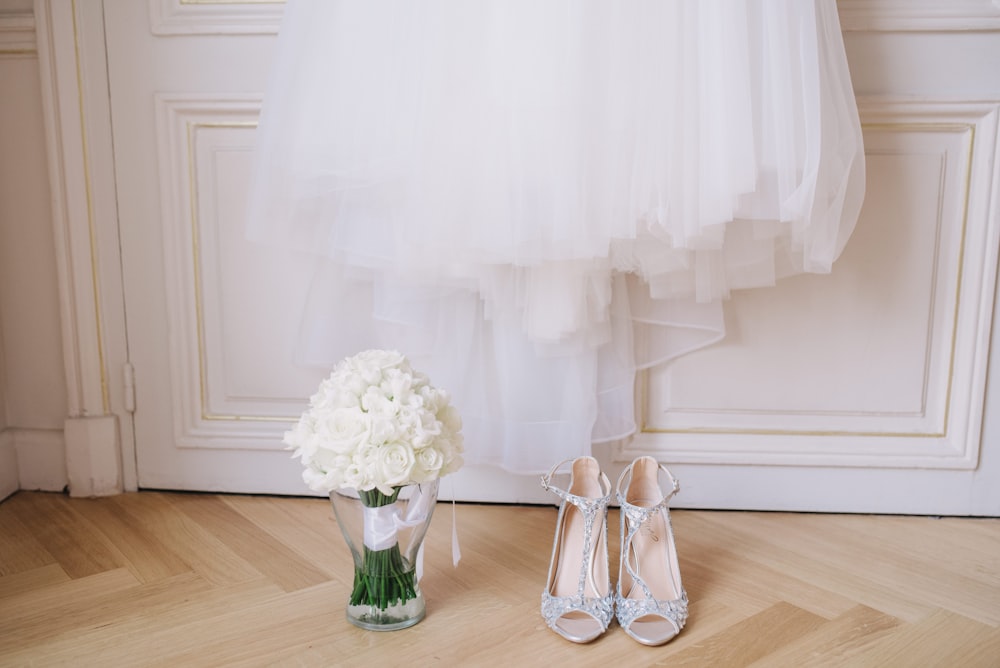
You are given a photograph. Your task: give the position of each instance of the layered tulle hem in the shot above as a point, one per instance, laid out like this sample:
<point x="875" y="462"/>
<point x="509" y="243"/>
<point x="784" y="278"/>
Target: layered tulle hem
<point x="511" y="190"/>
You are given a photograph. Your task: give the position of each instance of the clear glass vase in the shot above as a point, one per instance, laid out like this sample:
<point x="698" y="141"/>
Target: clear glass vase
<point x="385" y="534"/>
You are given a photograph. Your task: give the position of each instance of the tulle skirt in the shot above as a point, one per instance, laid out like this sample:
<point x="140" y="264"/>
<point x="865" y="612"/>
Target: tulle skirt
<point x="535" y="199"/>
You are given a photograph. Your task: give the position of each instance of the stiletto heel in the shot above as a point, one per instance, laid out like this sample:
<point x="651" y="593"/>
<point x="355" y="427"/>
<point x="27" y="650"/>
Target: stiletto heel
<point x="577" y="601"/>
<point x="650" y="602"/>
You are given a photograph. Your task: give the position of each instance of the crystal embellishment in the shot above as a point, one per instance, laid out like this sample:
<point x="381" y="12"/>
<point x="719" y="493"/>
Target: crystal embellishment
<point x="600" y="608"/>
<point x="629" y="609"/>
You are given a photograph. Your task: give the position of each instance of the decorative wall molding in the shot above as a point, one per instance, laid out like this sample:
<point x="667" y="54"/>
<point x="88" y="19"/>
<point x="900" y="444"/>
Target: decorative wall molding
<point x="918" y="15"/>
<point x="187" y="126"/>
<point x="75" y="100"/>
<point x="941" y="427"/>
<point x="17" y="35"/>
<point x="215" y="17"/>
<point x="72" y="206"/>
<point x="231" y="17"/>
<point x="40" y="456"/>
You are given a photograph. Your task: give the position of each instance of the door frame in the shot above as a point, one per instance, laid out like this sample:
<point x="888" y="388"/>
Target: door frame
<point x="98" y="436"/>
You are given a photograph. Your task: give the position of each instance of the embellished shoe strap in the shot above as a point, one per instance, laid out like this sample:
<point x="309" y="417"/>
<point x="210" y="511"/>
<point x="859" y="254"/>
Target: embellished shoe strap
<point x="590" y="507"/>
<point x="674" y="483"/>
<point x="582" y="502"/>
<point x="636" y="515"/>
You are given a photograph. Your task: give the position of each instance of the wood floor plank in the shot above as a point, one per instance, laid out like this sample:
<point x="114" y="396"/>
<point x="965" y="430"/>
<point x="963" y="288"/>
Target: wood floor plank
<point x="72" y="541"/>
<point x="837" y="643"/>
<point x="512" y="553"/>
<point x="942" y="639"/>
<point x="60" y="601"/>
<point x="966" y="546"/>
<point x="151" y="632"/>
<point x="246" y="634"/>
<point x="26" y="582"/>
<point x="98" y="611"/>
<point x="723" y="567"/>
<point x="751" y="639"/>
<point x="19" y="547"/>
<point x="307" y="526"/>
<point x="903" y="572"/>
<point x="266" y="554"/>
<point x="265" y="580"/>
<point x="196" y="546"/>
<point x="817" y="553"/>
<point x="146" y="555"/>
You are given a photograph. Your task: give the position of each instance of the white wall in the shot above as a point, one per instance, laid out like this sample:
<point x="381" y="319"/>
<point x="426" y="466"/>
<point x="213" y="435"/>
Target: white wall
<point x="32" y="381"/>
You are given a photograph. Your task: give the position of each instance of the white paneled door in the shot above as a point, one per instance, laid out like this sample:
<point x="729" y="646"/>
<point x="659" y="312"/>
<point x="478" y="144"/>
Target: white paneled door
<point x="859" y="391"/>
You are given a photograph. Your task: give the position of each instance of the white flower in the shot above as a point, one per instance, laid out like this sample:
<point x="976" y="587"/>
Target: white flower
<point x="384" y="429"/>
<point x="427" y="464"/>
<point x="451" y="419"/>
<point x="393" y="464"/>
<point x="353" y="475"/>
<point x="397" y="384"/>
<point x="375" y="401"/>
<point x="342" y="430"/>
<point x="381" y="359"/>
<point x="376" y="422"/>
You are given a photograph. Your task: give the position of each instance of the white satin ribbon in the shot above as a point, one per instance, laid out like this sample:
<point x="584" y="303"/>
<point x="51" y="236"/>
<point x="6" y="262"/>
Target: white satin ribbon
<point x="456" y="553"/>
<point x="380" y="527"/>
<point x="383" y="523"/>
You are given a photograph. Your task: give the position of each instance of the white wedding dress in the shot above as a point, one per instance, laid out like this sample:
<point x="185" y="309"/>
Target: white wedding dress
<point x="534" y="198"/>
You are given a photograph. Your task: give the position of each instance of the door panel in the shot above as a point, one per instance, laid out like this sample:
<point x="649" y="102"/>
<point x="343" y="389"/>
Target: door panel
<point x="858" y="391"/>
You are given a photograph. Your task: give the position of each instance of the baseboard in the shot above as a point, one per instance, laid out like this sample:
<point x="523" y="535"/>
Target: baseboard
<point x="8" y="465"/>
<point x="93" y="456"/>
<point x="40" y="456"/>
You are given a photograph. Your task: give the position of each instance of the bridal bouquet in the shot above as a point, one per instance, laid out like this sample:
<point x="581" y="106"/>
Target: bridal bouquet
<point x="376" y="426"/>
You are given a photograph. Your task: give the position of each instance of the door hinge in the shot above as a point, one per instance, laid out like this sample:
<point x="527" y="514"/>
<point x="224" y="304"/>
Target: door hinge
<point x="128" y="376"/>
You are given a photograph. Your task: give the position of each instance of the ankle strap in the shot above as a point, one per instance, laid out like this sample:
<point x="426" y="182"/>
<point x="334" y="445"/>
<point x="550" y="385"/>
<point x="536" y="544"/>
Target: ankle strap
<point x="573" y="498"/>
<point x="674" y="482"/>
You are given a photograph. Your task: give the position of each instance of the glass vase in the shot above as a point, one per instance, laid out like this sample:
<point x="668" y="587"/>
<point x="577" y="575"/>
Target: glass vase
<point x="385" y="534"/>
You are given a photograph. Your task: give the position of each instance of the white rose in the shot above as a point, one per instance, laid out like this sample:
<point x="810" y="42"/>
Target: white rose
<point x="362" y="467"/>
<point x="353" y="475"/>
<point x="397" y="384"/>
<point x="451" y="419"/>
<point x="344" y="429"/>
<point x="349" y="382"/>
<point x="452" y="464"/>
<point x="371" y="363"/>
<point x="299" y="435"/>
<point x="383" y="430"/>
<point x="376" y="402"/>
<point x="321" y="482"/>
<point x="409" y="428"/>
<point x="393" y="465"/>
<point x="327" y="461"/>
<point x="427" y="464"/>
<point x="433" y="398"/>
<point x="343" y="398"/>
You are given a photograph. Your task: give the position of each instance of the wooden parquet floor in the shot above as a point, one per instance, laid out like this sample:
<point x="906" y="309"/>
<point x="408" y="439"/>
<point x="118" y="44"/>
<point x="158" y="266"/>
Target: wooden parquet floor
<point x="160" y="579"/>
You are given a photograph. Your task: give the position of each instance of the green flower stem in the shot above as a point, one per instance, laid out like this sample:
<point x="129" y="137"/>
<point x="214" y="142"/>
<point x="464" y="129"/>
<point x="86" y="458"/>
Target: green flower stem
<point x="384" y="579"/>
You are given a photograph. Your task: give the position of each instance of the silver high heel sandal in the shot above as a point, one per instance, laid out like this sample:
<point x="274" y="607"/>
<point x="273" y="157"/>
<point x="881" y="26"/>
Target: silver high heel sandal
<point x="577" y="601"/>
<point x="650" y="602"/>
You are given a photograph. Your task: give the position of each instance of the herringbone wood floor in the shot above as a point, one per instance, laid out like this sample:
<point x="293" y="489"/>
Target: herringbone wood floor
<point x="198" y="579"/>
